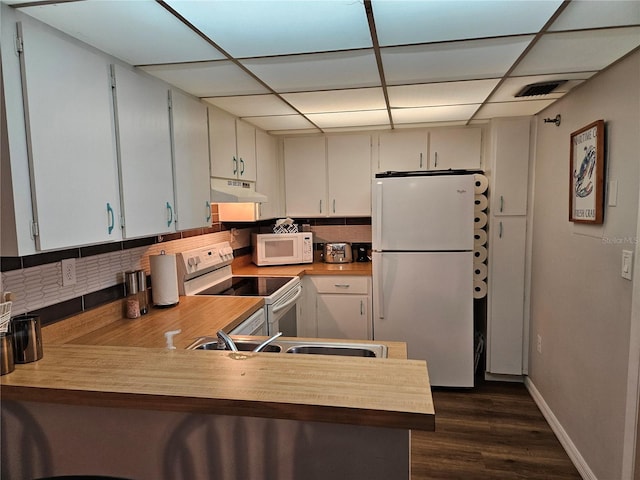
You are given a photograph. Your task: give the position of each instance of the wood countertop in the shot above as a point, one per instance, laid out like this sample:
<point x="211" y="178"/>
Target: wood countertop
<point x="360" y="391"/>
<point x="97" y="360"/>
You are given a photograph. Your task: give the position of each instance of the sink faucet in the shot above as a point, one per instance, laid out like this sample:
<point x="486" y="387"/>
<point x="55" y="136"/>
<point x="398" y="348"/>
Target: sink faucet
<point x="264" y="344"/>
<point x="224" y="342"/>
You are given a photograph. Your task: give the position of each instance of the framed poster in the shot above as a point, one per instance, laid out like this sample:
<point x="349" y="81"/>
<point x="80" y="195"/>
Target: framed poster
<point x="586" y="182"/>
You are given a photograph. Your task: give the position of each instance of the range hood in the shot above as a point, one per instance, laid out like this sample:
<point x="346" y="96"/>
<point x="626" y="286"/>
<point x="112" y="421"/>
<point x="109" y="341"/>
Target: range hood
<point x="234" y="191"/>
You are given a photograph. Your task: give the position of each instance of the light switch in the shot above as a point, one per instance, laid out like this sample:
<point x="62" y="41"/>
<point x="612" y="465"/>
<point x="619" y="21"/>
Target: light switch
<point x="627" y="264"/>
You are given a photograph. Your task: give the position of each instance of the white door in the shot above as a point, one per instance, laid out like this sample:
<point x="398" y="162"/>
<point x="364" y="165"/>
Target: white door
<point x="402" y="150"/>
<point x="349" y="167"/>
<point x="423" y="213"/>
<point x="343" y="316"/>
<point x="222" y="144"/>
<point x="142" y="111"/>
<point x="305" y="177"/>
<point x="190" y="137"/>
<point x="426" y="300"/>
<point x="246" y="148"/>
<point x="73" y="162"/>
<point x="267" y="179"/>
<point x="455" y="148"/>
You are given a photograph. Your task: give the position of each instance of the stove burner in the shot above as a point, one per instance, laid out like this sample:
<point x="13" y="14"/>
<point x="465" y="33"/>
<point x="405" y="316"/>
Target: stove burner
<point x="247" y="286"/>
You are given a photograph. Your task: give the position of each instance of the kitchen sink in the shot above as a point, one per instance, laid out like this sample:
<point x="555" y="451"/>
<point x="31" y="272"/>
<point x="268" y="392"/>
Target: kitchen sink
<point x="292" y="346"/>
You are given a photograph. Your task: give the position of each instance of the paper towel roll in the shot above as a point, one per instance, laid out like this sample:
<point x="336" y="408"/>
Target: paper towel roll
<point x="481" y="183"/>
<point x="480" y="220"/>
<point x="479" y="254"/>
<point x="480" y="202"/>
<point x="164" y="280"/>
<point x="479" y="289"/>
<point x="479" y="237"/>
<point x="479" y="271"/>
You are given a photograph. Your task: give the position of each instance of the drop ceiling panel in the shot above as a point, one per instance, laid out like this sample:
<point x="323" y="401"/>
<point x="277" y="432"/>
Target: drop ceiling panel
<point x="596" y="14"/>
<point x="281" y="122"/>
<point x="512" y="109"/>
<point x="337" y="100"/>
<point x="252" y="105"/>
<point x="409" y="22"/>
<point x="446" y="93"/>
<point x="578" y="51"/>
<point x="455" y="113"/>
<point x="208" y="79"/>
<point x="345" y="119"/>
<point x="511" y="86"/>
<point x="467" y="60"/>
<point x="327" y="71"/>
<point x="261" y="28"/>
<point x="138" y="32"/>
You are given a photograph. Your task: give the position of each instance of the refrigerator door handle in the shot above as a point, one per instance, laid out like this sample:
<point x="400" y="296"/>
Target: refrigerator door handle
<point x="377" y="274"/>
<point x="378" y="238"/>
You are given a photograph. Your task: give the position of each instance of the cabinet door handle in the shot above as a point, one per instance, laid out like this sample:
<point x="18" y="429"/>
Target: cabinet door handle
<point x="320" y="206"/>
<point x="420" y="159"/>
<point x="436" y="157"/>
<point x="334" y="205"/>
<point x="208" y="204"/>
<point x="361" y="307"/>
<point x="169" y="214"/>
<point x="501" y="203"/>
<point x="112" y="220"/>
<point x="235" y="165"/>
<point x="500" y="230"/>
<point x="242" y="163"/>
<point x="341" y="285"/>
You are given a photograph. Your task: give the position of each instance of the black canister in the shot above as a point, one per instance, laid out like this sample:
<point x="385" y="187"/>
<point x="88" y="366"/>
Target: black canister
<point x="7" y="364"/>
<point x="27" y="339"/>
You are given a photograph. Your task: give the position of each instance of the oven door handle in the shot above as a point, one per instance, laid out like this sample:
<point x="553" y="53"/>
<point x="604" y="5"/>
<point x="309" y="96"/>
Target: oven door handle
<point x="298" y="293"/>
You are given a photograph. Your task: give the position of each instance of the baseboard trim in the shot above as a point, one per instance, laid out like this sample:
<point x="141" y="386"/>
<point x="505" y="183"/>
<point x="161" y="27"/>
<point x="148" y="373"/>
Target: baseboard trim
<point x="572" y="451"/>
<point x="499" y="377"/>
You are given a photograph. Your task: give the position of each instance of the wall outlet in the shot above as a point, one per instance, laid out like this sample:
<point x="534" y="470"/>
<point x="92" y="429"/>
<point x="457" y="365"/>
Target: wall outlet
<point x="539" y="344"/>
<point x="68" y="271"/>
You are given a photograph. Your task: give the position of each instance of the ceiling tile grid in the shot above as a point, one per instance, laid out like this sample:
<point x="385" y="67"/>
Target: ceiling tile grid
<point x="292" y="66"/>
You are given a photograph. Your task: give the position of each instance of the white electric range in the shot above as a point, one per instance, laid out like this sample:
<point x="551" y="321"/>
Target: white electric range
<point x="207" y="271"/>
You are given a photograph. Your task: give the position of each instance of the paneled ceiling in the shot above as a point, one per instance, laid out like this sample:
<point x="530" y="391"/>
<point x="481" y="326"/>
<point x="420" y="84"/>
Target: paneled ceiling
<point x="333" y="65"/>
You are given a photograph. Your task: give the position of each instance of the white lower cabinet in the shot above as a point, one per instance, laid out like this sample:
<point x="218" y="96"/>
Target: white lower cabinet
<point x="342" y="306"/>
<point x="505" y="312"/>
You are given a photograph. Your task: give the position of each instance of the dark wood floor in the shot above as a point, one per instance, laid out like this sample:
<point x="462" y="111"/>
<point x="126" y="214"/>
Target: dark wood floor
<point x="494" y="431"/>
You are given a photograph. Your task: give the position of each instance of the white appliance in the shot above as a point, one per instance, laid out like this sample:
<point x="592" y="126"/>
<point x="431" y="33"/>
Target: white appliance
<point x="282" y="248"/>
<point x="207" y="271"/>
<point x="423" y="269"/>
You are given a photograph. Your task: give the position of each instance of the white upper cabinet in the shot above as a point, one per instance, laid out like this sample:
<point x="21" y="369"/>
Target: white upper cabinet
<point x="402" y="150"/>
<point x="455" y="148"/>
<point x="305" y="176"/>
<point x="144" y="140"/>
<point x="190" y="140"/>
<point x="328" y="176"/>
<point x="72" y="149"/>
<point x="510" y="168"/>
<point x="268" y="181"/>
<point x="349" y="174"/>
<point x="233" y="147"/>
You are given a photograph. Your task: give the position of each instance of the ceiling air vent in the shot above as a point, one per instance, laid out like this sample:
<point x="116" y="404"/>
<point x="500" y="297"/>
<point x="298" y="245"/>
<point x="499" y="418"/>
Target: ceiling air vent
<point x="542" y="88"/>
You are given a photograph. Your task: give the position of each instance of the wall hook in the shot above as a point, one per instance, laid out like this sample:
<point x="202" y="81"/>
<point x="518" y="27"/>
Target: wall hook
<point x="554" y="120"/>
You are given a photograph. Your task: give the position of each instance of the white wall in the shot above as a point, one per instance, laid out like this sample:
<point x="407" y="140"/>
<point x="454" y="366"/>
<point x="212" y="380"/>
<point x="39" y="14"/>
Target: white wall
<point x="580" y="304"/>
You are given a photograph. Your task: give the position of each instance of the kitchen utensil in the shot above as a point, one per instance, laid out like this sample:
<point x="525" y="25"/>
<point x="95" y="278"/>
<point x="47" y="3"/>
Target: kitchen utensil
<point x="338" y="253"/>
<point x="7" y="364"/>
<point x="27" y="338"/>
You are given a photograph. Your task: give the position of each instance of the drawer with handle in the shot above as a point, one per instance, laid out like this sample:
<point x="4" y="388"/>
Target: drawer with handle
<point x="341" y="284"/>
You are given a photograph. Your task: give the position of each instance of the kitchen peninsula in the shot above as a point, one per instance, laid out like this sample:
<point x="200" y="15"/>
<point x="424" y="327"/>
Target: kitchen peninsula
<point x="113" y="401"/>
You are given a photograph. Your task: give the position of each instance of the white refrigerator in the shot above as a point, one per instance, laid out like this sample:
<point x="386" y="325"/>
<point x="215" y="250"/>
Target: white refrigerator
<point x="423" y="225"/>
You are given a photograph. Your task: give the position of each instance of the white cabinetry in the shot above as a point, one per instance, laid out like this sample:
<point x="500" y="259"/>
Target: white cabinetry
<point x="343" y="306"/>
<point x="506" y="302"/>
<point x="268" y="180"/>
<point x="190" y="141"/>
<point x="455" y="148"/>
<point x="510" y="146"/>
<point x="71" y="144"/>
<point x="402" y="150"/>
<point x="328" y="176"/>
<point x="233" y="147"/>
<point x="144" y="144"/>
<point x="506" y="323"/>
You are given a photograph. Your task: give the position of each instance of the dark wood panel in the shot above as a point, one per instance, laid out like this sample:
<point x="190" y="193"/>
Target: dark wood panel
<point x="494" y="431"/>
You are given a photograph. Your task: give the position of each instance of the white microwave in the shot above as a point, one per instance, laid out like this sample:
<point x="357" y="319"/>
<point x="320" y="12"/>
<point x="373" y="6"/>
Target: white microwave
<point x="282" y="248"/>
